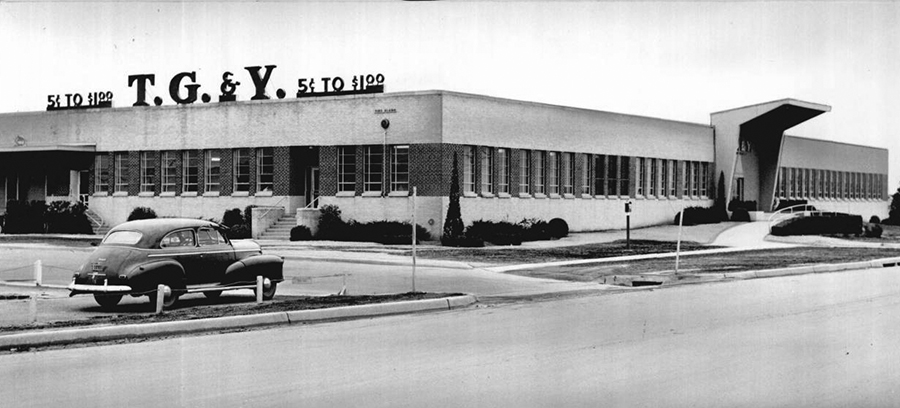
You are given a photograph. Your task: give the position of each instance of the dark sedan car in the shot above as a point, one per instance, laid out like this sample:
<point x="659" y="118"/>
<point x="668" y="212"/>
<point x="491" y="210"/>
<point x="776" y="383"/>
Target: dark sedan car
<point x="182" y="254"/>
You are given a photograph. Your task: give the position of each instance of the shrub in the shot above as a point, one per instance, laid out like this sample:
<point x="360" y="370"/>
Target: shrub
<point x="738" y="204"/>
<point x="141" y="213"/>
<point x="828" y="223"/>
<point x="740" y="214"/>
<point x="248" y="215"/>
<point x="462" y="242"/>
<point x="699" y="215"/>
<point x="496" y="232"/>
<point x="384" y="232"/>
<point x="232" y="217"/>
<point x="24" y="217"/>
<point x="872" y="230"/>
<point x="331" y="226"/>
<point x="535" y="229"/>
<point x="67" y="218"/>
<point x="300" y="233"/>
<point x="874" y="220"/>
<point x="557" y="228"/>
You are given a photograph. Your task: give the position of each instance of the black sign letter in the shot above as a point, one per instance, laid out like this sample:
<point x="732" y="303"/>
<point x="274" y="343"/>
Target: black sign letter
<point x="260" y="83"/>
<point x="192" y="88"/>
<point x="141" y="87"/>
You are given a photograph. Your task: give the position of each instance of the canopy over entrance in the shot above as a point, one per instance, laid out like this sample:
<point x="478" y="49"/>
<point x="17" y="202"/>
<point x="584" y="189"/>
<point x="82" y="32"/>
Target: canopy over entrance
<point x="43" y="172"/>
<point x="751" y="137"/>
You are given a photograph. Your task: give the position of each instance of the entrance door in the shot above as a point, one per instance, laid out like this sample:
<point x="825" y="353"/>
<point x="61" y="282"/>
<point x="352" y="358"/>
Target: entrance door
<point x="83" y="180"/>
<point x="312" y="193"/>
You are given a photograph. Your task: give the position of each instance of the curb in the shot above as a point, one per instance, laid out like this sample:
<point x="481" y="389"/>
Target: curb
<point x="129" y="331"/>
<point x="819" y="268"/>
<point x="419" y="262"/>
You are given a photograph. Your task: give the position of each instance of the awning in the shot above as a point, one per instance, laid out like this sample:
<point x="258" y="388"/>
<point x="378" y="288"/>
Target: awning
<point x="82" y="148"/>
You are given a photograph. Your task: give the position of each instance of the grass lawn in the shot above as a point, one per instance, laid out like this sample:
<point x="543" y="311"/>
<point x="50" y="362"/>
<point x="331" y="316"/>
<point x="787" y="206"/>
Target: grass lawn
<point x="719" y="263"/>
<point x="519" y="255"/>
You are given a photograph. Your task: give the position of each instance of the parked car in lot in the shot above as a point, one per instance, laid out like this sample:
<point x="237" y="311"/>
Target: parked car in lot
<point x="184" y="255"/>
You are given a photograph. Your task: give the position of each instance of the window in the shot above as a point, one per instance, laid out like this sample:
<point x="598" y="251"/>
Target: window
<point x="400" y="168"/>
<point x="568" y="174"/>
<point x="639" y="174"/>
<point x="373" y="168"/>
<point x="168" y="169"/>
<point x="178" y="239"/>
<point x="654" y="174"/>
<point x="672" y="183"/>
<point x="525" y="173"/>
<point x="624" y="168"/>
<point x="265" y="169"/>
<point x="347" y="168"/>
<point x="469" y="170"/>
<point x="612" y="174"/>
<point x="664" y="177"/>
<point x="552" y="173"/>
<point x="540" y="173"/>
<point x="779" y="183"/>
<point x="587" y="174"/>
<point x="101" y="173"/>
<point x="213" y="170"/>
<point x="121" y="172"/>
<point x="208" y="236"/>
<point x="600" y="175"/>
<point x="148" y="172"/>
<point x="191" y="173"/>
<point x="503" y="179"/>
<point x="704" y="179"/>
<point x="242" y="170"/>
<point x="487" y="170"/>
<point x="695" y="179"/>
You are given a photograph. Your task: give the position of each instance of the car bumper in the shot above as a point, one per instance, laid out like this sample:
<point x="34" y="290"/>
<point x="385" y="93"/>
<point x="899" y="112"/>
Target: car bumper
<point x="77" y="288"/>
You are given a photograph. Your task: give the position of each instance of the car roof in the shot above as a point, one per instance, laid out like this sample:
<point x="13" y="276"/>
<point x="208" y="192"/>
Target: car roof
<point x="153" y="228"/>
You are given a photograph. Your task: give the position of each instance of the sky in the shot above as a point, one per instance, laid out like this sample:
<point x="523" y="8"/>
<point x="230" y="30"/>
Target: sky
<point x="673" y="60"/>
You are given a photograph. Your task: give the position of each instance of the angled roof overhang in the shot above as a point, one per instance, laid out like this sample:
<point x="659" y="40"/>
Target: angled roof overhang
<point x="771" y="119"/>
<point x="75" y="148"/>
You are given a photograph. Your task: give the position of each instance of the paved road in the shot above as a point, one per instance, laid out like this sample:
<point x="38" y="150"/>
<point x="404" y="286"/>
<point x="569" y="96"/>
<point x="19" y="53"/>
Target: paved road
<point x="824" y="340"/>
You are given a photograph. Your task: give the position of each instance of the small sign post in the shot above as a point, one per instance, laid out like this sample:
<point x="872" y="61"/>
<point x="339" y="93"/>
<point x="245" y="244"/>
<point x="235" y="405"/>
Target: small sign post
<point x="628" y="224"/>
<point x="414" y="240"/>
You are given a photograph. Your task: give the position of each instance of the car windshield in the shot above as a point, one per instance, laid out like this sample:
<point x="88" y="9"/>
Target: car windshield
<point x="122" y="238"/>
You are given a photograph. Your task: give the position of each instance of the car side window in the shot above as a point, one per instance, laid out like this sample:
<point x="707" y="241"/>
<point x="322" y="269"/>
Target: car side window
<point x="209" y="236"/>
<point x="178" y="239"/>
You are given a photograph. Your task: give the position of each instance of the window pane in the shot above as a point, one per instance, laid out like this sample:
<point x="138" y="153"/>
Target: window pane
<point x="242" y="170"/>
<point x="400" y="168"/>
<point x="347" y="168"/>
<point x="525" y="172"/>
<point x="373" y="168"/>
<point x="265" y="169"/>
<point x="191" y="173"/>
<point x="213" y="170"/>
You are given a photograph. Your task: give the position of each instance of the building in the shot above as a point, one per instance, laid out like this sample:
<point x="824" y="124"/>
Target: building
<point x="366" y="153"/>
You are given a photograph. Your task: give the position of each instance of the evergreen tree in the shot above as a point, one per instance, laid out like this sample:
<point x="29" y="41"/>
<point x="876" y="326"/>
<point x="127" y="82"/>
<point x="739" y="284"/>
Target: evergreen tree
<point x="453" y="225"/>
<point x="894" y="213"/>
<point x="719" y="206"/>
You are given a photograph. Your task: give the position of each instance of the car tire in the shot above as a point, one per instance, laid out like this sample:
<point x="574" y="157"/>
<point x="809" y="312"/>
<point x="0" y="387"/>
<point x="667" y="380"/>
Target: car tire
<point x="268" y="293"/>
<point x="107" y="301"/>
<point x="168" y="301"/>
<point x="212" y="294"/>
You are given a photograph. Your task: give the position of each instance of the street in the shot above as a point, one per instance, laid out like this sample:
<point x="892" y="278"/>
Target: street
<point x="814" y="340"/>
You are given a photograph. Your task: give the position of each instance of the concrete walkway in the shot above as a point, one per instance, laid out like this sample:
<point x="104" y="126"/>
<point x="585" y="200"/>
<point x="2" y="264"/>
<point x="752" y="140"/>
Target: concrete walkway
<point x="748" y="235"/>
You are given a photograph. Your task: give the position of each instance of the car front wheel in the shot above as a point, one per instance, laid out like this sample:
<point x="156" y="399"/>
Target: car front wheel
<point x="170" y="296"/>
<point x="268" y="292"/>
<point x="107" y="301"/>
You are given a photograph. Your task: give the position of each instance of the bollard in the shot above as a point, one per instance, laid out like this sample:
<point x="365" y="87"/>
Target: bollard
<point x="32" y="308"/>
<point x="160" y="297"/>
<point x="38" y="272"/>
<point x="259" y="289"/>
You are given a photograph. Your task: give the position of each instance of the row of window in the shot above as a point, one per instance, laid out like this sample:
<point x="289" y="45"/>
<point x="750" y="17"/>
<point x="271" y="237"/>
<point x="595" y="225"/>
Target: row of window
<point x="163" y="167"/>
<point x="658" y="178"/>
<point x="374" y="168"/>
<point x="822" y="184"/>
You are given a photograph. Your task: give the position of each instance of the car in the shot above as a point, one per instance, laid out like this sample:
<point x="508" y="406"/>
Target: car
<point x="183" y="255"/>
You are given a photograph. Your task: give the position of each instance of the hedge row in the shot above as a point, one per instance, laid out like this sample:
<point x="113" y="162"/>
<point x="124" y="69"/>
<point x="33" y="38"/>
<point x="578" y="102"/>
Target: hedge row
<point x="821" y="224"/>
<point x="28" y="217"/>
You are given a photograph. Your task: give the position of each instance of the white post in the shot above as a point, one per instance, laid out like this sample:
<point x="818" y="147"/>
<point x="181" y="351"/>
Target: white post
<point x="160" y="297"/>
<point x="414" y="240"/>
<point x="259" y="289"/>
<point x="678" y="243"/>
<point x="38" y="272"/>
<point x="32" y="308"/>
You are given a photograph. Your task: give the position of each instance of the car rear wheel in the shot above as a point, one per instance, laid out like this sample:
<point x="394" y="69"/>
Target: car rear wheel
<point x="268" y="291"/>
<point x="170" y="296"/>
<point x="107" y="301"/>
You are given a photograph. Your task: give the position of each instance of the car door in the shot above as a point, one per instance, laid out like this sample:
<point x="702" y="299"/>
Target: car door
<point x="216" y="254"/>
<point x="181" y="246"/>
